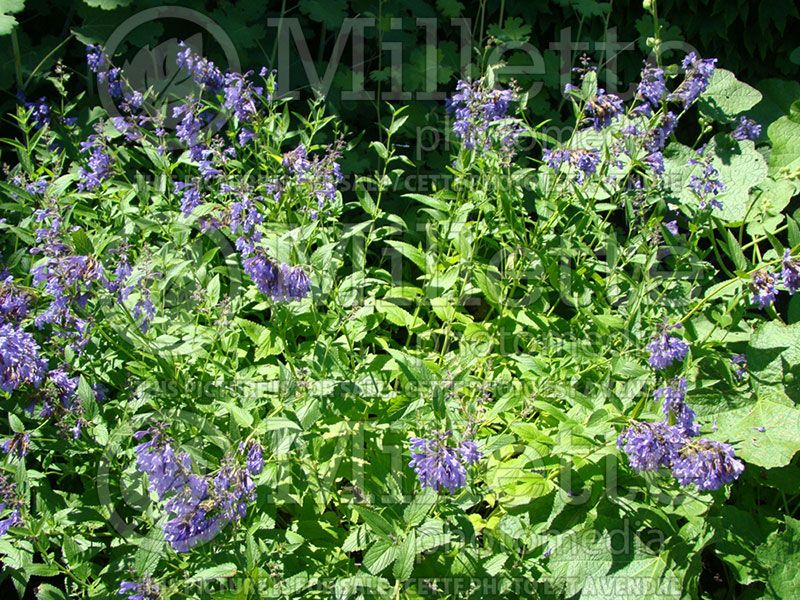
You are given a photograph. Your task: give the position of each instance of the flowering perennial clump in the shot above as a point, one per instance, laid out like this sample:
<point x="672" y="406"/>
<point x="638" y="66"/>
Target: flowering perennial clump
<point x="142" y="265"/>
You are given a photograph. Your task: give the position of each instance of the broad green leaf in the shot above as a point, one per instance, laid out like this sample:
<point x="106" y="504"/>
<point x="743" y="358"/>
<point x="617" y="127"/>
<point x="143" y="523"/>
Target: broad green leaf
<point x="727" y="97"/>
<point x="780" y="555"/>
<point x="785" y="137"/>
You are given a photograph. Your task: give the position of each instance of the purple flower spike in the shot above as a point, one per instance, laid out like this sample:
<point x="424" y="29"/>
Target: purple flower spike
<point x="439" y="465"/>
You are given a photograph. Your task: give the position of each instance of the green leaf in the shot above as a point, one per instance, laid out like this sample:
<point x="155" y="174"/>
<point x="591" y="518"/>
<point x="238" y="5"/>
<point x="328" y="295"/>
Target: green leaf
<point x="578" y="556"/>
<point x="413" y="254"/>
<point x="375" y="521"/>
<point x="16" y="425"/>
<point x="735" y="252"/>
<point x="727" y="97"/>
<point x="45" y="591"/>
<point x="216" y="572"/>
<point x="7" y="24"/>
<point x="780" y="555"/>
<point x="404" y="563"/>
<point x="776" y="101"/>
<point x="420" y="506"/>
<point x="785" y="137"/>
<point x="242" y="417"/>
<point x="83" y="245"/>
<point x="380" y="556"/>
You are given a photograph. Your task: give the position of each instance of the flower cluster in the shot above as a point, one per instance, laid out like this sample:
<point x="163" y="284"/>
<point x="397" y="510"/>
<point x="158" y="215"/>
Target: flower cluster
<point x="672" y="444"/>
<point x="790" y="272"/>
<point x="698" y="74"/>
<point x="739" y="362"/>
<point x="673" y="397"/>
<point x="439" y="465"/>
<point x="13" y="301"/>
<point x="319" y="175"/>
<point x="98" y="165"/>
<point x="9" y="500"/>
<point x="145" y="589"/>
<point x="20" y="362"/>
<point x="763" y="283"/>
<point x="603" y="109"/>
<point x="666" y="349"/>
<point x="652" y="89"/>
<point x="475" y="109"/>
<point x="746" y="129"/>
<point x="708" y="182"/>
<point x="199" y="505"/>
<point x="17" y="445"/>
<point x="67" y="277"/>
<point x="584" y="161"/>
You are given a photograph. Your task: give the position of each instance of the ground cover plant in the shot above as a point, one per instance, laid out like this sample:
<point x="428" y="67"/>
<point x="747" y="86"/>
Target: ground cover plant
<point x="233" y="368"/>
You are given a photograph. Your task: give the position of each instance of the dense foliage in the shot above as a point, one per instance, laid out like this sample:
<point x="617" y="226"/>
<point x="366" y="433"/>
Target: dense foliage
<point x="231" y="367"/>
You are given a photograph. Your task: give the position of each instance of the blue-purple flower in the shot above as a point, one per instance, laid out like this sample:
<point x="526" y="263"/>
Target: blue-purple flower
<point x="255" y="457"/>
<point x="319" y="174"/>
<point x="17" y="445"/>
<point x="762" y="285"/>
<point x="739" y="362"/>
<point x="439" y="465"/>
<point x="652" y="88"/>
<point x="790" y="272"/>
<point x="746" y="129"/>
<point x="203" y="71"/>
<point x="657" y="137"/>
<point x="650" y="446"/>
<point x="707" y="464"/>
<point x="676" y="411"/>
<point x="98" y="165"/>
<point x="9" y="500"/>
<point x="603" y="109"/>
<point x="166" y="469"/>
<point x="666" y="349"/>
<point x="13" y="301"/>
<point x="145" y="589"/>
<point x="280" y="282"/>
<point x="707" y="183"/>
<point x="475" y="108"/>
<point x="698" y="73"/>
<point x="20" y="362"/>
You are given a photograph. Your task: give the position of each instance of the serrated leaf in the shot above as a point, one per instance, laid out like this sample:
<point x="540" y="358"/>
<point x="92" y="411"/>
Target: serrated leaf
<point x="404" y="563"/>
<point x="380" y="555"/>
<point x="375" y="521"/>
<point x="420" y="506"/>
